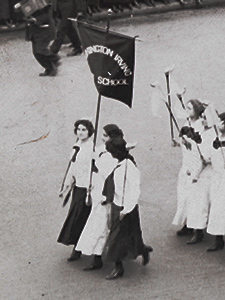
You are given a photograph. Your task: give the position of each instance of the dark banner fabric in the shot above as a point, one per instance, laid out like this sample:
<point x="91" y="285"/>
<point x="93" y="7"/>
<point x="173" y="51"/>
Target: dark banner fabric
<point x="111" y="59"/>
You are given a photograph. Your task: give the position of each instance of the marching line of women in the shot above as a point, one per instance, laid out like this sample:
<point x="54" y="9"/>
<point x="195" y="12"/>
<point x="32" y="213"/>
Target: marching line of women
<point x="109" y="227"/>
<point x="201" y="181"/>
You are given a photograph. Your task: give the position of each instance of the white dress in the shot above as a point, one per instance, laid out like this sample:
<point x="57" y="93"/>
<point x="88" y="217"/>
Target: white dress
<point x="95" y="233"/>
<point x="216" y="224"/>
<point x="190" y="166"/>
<point x="199" y="202"/>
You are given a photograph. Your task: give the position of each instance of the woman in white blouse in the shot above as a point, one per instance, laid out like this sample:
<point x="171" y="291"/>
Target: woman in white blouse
<point x="78" y="176"/>
<point x="122" y="189"/>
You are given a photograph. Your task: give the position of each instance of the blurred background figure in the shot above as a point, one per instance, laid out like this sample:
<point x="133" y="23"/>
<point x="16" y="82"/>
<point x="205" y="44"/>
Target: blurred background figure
<point x="40" y="30"/>
<point x="66" y="9"/>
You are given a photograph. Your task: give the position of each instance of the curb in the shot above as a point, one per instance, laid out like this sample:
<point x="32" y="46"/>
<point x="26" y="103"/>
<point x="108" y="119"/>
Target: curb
<point x="159" y="8"/>
<point x="144" y="10"/>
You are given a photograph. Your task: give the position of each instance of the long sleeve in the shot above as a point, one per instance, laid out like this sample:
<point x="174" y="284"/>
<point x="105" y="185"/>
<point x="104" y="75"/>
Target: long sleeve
<point x="127" y="186"/>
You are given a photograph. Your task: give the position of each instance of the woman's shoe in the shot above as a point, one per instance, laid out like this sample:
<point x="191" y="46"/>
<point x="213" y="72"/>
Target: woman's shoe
<point x="218" y="245"/>
<point x="116" y="273"/>
<point x="184" y="231"/>
<point x="97" y="264"/>
<point x="75" y="255"/>
<point x="197" y="238"/>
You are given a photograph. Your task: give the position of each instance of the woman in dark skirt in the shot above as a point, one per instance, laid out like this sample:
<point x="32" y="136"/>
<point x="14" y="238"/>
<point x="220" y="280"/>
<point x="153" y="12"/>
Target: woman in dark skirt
<point x="122" y="188"/>
<point x="78" y="178"/>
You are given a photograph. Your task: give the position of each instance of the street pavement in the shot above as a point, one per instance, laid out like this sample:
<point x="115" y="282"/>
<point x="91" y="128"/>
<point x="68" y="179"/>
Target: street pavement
<point x="32" y="264"/>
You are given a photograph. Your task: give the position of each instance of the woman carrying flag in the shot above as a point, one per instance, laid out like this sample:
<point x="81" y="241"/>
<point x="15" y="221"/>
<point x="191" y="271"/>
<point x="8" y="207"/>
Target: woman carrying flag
<point x="78" y="177"/>
<point x="95" y="233"/>
<point x="199" y="202"/>
<point x="190" y="165"/>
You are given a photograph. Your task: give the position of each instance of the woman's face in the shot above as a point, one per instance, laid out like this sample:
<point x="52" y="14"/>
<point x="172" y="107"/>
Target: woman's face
<point x="105" y="137"/>
<point x="82" y="132"/>
<point x="190" y="110"/>
<point x="204" y="121"/>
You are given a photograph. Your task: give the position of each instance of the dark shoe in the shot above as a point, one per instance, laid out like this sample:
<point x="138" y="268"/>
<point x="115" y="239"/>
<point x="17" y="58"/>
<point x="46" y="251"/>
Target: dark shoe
<point x="218" y="245"/>
<point x="96" y="264"/>
<point x="75" y="52"/>
<point x="116" y="273"/>
<point x="51" y="72"/>
<point x="150" y="249"/>
<point x="75" y="255"/>
<point x="93" y="267"/>
<point x="197" y="238"/>
<point x="184" y="231"/>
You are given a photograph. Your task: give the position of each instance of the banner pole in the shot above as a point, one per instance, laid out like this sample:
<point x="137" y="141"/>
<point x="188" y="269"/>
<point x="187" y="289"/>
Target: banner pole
<point x="97" y="121"/>
<point x="88" y="199"/>
<point x="109" y="13"/>
<point x="169" y="103"/>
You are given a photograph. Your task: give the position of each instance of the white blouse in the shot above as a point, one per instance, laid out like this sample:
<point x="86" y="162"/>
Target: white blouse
<point x="127" y="185"/>
<point x="81" y="168"/>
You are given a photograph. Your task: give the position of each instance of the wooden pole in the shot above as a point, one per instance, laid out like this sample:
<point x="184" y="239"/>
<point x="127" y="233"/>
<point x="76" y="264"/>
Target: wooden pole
<point x="88" y="200"/>
<point x="174" y="143"/>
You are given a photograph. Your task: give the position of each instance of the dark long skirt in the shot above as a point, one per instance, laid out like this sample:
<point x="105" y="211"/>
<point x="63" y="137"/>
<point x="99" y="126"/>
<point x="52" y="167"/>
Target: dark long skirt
<point x="76" y="218"/>
<point x="125" y="237"/>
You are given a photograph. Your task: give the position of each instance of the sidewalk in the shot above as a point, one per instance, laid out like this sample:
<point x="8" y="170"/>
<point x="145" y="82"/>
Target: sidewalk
<point x="159" y="8"/>
<point x="144" y="10"/>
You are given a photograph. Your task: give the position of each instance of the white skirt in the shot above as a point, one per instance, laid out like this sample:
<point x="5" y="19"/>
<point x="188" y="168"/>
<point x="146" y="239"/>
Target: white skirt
<point x="95" y="233"/>
<point x="183" y="197"/>
<point x="199" y="202"/>
<point x="216" y="225"/>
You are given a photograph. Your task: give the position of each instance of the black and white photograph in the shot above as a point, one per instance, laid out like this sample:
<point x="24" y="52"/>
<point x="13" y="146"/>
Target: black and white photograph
<point x="112" y="152"/>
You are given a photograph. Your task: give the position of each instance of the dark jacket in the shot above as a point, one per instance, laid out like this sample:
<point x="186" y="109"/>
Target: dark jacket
<point x="42" y="32"/>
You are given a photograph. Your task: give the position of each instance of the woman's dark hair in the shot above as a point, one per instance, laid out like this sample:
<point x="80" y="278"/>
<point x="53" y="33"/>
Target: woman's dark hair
<point x="85" y="123"/>
<point x="112" y="130"/>
<point x="117" y="147"/>
<point x="222" y="117"/>
<point x="198" y="107"/>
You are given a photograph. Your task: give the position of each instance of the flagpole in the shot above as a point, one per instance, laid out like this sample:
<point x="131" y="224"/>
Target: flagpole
<point x="109" y="13"/>
<point x="174" y="143"/>
<point x="88" y="199"/>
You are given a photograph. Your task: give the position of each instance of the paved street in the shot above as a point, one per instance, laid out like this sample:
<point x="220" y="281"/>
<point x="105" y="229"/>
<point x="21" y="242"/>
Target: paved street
<point x="32" y="265"/>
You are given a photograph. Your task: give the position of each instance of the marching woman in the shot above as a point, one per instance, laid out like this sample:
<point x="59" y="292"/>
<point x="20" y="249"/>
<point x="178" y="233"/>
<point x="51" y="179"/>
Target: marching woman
<point x="199" y="202"/>
<point x="122" y="190"/>
<point x="190" y="165"/>
<point x="94" y="235"/>
<point x="77" y="179"/>
<point x="216" y="224"/>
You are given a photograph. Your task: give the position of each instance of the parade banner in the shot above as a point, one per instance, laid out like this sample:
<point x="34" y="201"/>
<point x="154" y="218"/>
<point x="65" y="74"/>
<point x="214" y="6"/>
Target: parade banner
<point x="111" y="59"/>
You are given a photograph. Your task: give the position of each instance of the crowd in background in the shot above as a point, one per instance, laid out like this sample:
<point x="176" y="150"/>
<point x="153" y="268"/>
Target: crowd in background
<point x="88" y="7"/>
